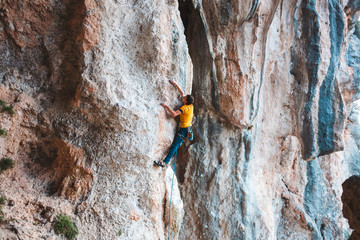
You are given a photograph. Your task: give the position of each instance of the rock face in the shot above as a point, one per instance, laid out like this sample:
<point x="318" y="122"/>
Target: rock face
<point x="275" y="83"/>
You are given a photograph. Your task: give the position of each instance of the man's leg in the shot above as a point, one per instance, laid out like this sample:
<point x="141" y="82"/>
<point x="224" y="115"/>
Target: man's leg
<point x="176" y="144"/>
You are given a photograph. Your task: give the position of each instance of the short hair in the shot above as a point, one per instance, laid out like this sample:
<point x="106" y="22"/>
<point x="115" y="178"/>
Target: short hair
<point x="189" y="99"/>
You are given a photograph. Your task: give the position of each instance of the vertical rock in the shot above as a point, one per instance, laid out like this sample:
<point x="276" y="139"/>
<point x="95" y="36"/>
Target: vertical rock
<point x="274" y="83"/>
<point x="176" y="208"/>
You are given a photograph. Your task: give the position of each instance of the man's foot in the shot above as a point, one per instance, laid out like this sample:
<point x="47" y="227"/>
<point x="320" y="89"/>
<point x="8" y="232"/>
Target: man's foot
<point x="160" y="163"/>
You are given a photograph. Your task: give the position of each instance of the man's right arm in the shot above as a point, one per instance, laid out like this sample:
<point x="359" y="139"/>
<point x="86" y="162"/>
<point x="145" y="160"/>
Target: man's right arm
<point x="177" y="87"/>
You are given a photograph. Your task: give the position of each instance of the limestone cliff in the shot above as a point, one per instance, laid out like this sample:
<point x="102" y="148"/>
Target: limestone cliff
<point x="276" y="133"/>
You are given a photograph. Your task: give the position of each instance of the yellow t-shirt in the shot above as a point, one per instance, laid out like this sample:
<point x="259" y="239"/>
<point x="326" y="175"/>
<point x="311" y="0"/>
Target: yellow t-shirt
<point x="186" y="116"/>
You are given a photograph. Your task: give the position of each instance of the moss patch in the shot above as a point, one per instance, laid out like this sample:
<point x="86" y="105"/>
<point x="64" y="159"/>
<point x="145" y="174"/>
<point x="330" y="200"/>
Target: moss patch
<point x="2" y="218"/>
<point x="3" y="132"/>
<point x="6" y="108"/>
<point x="64" y="226"/>
<point x="6" y="163"/>
<point x="2" y="200"/>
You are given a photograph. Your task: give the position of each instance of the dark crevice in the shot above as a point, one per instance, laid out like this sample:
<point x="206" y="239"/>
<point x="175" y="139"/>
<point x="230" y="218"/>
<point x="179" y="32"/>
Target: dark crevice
<point x="186" y="10"/>
<point x="311" y="29"/>
<point x="351" y="204"/>
<point x="202" y="72"/>
<point x="205" y="95"/>
<point x="184" y="155"/>
<point x="73" y="62"/>
<point x="200" y="55"/>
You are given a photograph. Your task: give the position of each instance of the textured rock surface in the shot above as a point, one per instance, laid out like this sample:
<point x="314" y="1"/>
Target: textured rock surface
<point x="290" y="51"/>
<point x="275" y="83"/>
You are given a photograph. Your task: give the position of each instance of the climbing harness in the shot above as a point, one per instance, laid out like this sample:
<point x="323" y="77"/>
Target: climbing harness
<point x="188" y="135"/>
<point x="171" y="195"/>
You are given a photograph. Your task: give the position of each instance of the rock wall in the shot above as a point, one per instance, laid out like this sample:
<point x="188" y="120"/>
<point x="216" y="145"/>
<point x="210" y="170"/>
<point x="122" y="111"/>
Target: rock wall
<point x="275" y="83"/>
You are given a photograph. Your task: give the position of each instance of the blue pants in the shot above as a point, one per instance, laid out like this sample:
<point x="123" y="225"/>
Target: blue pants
<point x="179" y="139"/>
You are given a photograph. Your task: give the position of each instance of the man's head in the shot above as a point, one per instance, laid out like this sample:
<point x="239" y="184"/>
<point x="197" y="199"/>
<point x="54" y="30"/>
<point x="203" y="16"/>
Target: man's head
<point x="188" y="99"/>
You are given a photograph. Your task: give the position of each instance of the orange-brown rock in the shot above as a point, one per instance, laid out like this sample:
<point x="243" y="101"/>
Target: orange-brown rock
<point x="85" y="22"/>
<point x="70" y="176"/>
<point x="36" y="21"/>
<point x="91" y="25"/>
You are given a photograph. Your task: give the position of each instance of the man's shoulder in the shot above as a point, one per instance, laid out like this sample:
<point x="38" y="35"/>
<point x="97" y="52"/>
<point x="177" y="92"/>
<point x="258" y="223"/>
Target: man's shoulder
<point x="187" y="107"/>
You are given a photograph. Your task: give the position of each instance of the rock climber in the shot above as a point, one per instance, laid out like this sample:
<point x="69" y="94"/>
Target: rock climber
<point x="186" y="113"/>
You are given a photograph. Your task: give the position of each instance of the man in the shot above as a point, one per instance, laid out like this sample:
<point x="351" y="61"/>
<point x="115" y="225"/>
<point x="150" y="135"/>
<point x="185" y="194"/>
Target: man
<point x="186" y="113"/>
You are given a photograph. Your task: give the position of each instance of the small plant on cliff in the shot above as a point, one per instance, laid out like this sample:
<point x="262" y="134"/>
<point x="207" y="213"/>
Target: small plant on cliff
<point x="64" y="226"/>
<point x="2" y="219"/>
<point x="2" y="200"/>
<point x="6" y="163"/>
<point x="3" y="132"/>
<point x="6" y="108"/>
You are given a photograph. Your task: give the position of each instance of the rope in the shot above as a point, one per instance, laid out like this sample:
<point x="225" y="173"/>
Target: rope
<point x="171" y="195"/>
